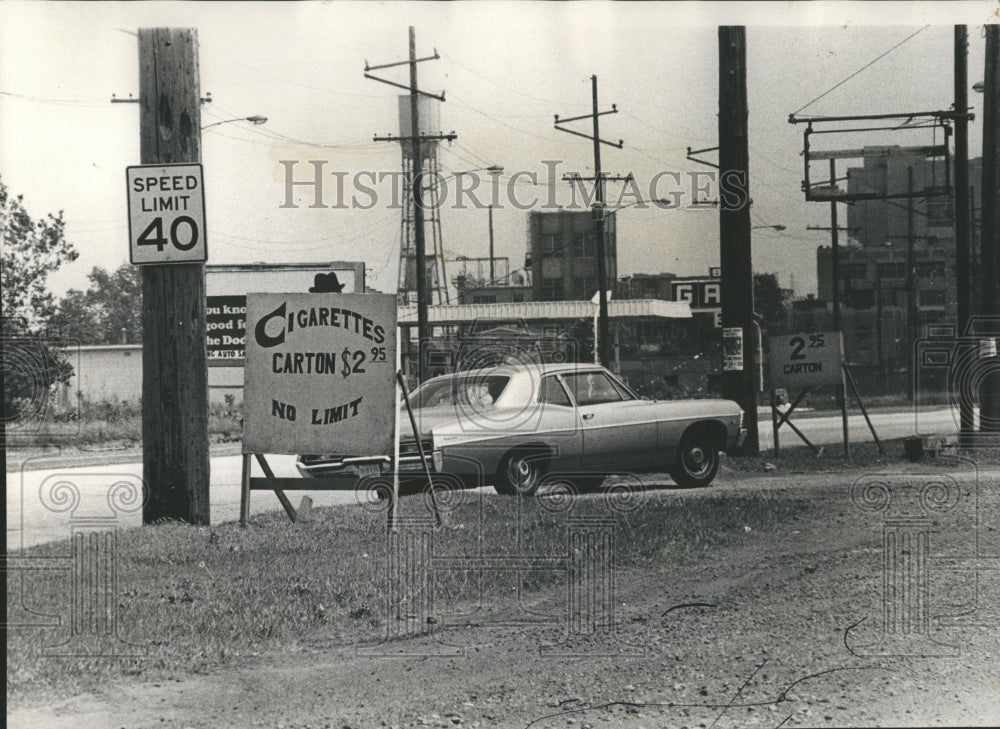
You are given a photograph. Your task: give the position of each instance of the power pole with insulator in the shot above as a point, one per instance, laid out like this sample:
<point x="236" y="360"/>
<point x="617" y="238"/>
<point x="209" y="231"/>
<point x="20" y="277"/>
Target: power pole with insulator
<point x="175" y="454"/>
<point x="989" y="393"/>
<point x="734" y="225"/>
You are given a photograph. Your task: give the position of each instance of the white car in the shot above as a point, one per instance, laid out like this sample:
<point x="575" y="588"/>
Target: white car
<point x="514" y="426"/>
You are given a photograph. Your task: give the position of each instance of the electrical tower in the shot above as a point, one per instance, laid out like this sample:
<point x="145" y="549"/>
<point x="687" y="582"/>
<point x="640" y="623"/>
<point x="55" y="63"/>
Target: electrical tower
<point x="426" y="167"/>
<point x="419" y="134"/>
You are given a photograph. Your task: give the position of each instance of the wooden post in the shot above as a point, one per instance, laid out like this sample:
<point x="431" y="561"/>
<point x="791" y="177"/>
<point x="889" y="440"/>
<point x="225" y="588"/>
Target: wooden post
<point x="174" y="363"/>
<point x="734" y="224"/>
<point x="989" y="245"/>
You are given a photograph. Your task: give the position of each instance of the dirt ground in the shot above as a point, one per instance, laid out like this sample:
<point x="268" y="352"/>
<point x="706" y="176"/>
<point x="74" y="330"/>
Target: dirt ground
<point x="781" y="628"/>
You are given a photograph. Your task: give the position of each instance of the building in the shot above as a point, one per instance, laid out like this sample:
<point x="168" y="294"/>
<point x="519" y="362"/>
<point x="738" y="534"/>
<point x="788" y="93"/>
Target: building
<point x="488" y="281"/>
<point x="562" y="252"/>
<point x="884" y="238"/>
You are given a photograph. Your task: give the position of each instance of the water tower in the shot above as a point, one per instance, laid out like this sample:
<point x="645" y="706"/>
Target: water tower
<point x="429" y="112"/>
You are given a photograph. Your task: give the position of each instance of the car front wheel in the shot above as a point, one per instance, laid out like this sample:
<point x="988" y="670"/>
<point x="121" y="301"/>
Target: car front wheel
<point x="520" y="473"/>
<point x="697" y="461"/>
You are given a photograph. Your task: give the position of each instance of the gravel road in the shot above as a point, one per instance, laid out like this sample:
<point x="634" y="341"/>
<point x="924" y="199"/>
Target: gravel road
<point x="768" y="631"/>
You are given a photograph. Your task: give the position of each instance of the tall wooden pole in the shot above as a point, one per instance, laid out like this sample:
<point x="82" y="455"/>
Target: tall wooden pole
<point x="989" y="394"/>
<point x="963" y="246"/>
<point x="734" y="224"/>
<point x="603" y="330"/>
<point x="175" y="457"/>
<point x="419" y="244"/>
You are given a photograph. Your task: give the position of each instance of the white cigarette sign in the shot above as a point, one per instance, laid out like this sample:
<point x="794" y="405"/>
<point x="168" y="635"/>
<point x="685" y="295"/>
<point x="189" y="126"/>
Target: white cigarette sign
<point x="806" y="359"/>
<point x="320" y="373"/>
<point x="166" y="214"/>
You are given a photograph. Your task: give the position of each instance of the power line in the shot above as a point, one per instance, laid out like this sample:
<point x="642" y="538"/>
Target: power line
<point x="867" y="65"/>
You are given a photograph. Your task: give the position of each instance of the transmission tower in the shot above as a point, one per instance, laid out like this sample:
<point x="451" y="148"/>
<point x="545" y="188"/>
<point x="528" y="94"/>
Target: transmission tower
<point x="419" y="125"/>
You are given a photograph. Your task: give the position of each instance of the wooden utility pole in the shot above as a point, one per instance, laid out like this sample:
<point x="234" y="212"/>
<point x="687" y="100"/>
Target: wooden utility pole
<point x="734" y="225"/>
<point x="603" y="330"/>
<point x="419" y="241"/>
<point x="493" y="274"/>
<point x="963" y="246"/>
<point x="834" y="249"/>
<point x="416" y="188"/>
<point x="912" y="325"/>
<point x="603" y="334"/>
<point x="840" y="394"/>
<point x="175" y="458"/>
<point x="989" y="394"/>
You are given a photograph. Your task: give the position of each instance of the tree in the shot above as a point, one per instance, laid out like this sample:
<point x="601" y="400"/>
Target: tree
<point x="769" y="301"/>
<point x="32" y="359"/>
<point x="109" y="311"/>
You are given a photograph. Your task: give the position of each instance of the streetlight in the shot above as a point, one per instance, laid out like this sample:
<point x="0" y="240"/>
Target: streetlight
<point x="493" y="170"/>
<point x="778" y="228"/>
<point x="256" y="120"/>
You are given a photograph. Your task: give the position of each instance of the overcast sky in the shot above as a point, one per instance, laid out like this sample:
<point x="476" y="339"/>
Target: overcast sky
<point x="506" y="68"/>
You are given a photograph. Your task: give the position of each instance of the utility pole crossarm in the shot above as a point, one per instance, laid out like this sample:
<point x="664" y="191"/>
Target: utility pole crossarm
<point x="950" y="114"/>
<point x="612" y="110"/>
<point x="439" y="97"/>
<point x="572" y="177"/>
<point x="617" y="145"/>
<point x="379" y="67"/>
<point x="419" y="138"/>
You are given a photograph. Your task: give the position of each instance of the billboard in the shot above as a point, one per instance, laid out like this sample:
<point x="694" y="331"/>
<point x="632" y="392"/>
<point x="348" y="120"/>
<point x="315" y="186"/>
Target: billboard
<point x="226" y="288"/>
<point x="320" y="374"/>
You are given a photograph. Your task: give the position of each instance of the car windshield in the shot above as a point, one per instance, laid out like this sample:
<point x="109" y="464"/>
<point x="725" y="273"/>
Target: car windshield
<point x="461" y="389"/>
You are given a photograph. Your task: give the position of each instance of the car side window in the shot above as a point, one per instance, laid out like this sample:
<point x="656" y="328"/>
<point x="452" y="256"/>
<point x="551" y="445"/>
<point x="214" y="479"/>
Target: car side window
<point x="553" y="392"/>
<point x="592" y="388"/>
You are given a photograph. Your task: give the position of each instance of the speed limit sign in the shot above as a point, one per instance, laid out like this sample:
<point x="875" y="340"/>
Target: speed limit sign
<point x="166" y="214"/>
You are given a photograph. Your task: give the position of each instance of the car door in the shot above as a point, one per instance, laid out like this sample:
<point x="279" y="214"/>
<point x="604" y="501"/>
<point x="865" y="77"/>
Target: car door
<point x="559" y="424"/>
<point x="616" y="433"/>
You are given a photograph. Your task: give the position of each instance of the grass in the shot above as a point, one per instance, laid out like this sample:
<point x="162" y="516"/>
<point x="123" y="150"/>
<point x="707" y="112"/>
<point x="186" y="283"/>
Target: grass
<point x="120" y="422"/>
<point x="204" y="598"/>
<point x="800" y="458"/>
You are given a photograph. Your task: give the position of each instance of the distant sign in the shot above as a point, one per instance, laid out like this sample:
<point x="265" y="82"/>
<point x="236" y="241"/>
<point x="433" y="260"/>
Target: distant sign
<point x="226" y="317"/>
<point x="320" y="373"/>
<point x="732" y="349"/>
<point x="227" y="285"/>
<point x="806" y="360"/>
<point x="166" y="214"/>
<point x="703" y="294"/>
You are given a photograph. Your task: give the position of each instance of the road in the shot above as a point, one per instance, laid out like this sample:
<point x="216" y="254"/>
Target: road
<point x="38" y="510"/>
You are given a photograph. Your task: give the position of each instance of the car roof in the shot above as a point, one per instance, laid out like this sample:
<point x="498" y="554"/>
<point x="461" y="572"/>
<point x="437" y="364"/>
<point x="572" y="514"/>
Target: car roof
<point x="545" y="368"/>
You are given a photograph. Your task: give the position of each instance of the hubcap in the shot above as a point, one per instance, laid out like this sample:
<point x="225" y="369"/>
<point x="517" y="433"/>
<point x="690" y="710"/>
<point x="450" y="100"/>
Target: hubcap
<point x="523" y="473"/>
<point x="697" y="459"/>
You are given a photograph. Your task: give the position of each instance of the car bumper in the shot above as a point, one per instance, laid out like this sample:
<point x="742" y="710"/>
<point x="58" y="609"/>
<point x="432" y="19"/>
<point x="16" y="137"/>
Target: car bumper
<point x="740" y="438"/>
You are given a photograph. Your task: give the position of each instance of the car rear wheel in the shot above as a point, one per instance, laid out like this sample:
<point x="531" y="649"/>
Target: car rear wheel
<point x="697" y="461"/>
<point x="521" y="472"/>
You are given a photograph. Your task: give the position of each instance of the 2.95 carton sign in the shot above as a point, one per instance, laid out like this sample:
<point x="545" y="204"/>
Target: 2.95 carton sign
<point x="806" y="360"/>
<point x="320" y="373"/>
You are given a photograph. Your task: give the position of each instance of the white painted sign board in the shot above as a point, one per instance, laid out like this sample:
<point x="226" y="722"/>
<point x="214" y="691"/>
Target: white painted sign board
<point x="226" y="288"/>
<point x="166" y="214"/>
<point x="732" y="349"/>
<point x="320" y="374"/>
<point x="806" y="360"/>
